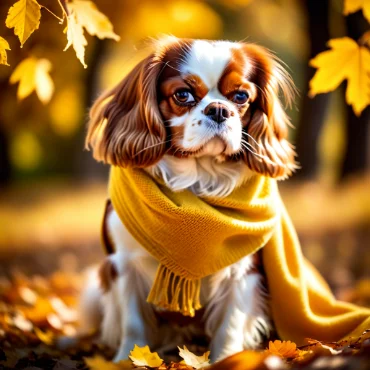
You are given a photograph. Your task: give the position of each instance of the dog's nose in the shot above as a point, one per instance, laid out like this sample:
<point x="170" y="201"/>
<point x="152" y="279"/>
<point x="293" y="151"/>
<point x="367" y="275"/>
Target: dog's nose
<point x="217" y="112"/>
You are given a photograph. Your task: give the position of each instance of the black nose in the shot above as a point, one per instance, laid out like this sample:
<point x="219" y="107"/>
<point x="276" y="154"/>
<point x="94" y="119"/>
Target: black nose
<point x="217" y="112"/>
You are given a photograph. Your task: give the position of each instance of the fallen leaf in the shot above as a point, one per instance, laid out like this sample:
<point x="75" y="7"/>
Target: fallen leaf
<point x="33" y="75"/>
<point x="24" y="16"/>
<point x="22" y="323"/>
<point x="65" y="313"/>
<point x="28" y="295"/>
<point x="352" y="6"/>
<point x="4" y="46"/>
<point x="95" y="22"/>
<point x="99" y="363"/>
<point x="45" y="337"/>
<point x="192" y="360"/>
<point x="76" y="38"/>
<point x="39" y="311"/>
<point x="345" y="61"/>
<point x="284" y="349"/>
<point x="141" y="356"/>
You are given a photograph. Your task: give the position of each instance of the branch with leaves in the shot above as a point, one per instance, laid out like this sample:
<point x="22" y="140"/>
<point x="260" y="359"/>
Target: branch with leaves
<point x="347" y="60"/>
<point x="25" y="16"/>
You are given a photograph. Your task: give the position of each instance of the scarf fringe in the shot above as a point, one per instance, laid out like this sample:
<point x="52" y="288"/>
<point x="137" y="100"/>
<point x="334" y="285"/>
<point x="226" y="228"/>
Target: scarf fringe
<point x="175" y="293"/>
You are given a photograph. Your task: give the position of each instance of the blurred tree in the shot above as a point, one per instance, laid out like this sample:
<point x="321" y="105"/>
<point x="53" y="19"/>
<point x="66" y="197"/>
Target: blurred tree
<point x="314" y="111"/>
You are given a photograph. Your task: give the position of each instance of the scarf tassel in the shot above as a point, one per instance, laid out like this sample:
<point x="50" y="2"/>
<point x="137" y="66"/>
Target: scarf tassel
<point x="175" y="293"/>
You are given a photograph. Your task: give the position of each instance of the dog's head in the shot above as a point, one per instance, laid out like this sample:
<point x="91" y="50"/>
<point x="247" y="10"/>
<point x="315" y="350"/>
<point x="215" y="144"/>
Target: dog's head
<point x="197" y="98"/>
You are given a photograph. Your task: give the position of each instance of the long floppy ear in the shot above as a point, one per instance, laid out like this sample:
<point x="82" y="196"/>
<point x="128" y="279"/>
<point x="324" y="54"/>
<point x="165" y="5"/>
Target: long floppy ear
<point x="125" y="127"/>
<point x="267" y="124"/>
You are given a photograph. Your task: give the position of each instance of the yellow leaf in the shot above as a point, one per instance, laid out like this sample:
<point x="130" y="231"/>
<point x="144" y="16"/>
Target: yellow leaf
<point x="192" y="360"/>
<point x="95" y="22"/>
<point x="283" y="349"/>
<point x="141" y="356"/>
<point x="99" y="363"/>
<point x="3" y="47"/>
<point x="351" y="6"/>
<point x="75" y="37"/>
<point x="33" y="75"/>
<point x="346" y="61"/>
<point x="45" y="337"/>
<point x="24" y="16"/>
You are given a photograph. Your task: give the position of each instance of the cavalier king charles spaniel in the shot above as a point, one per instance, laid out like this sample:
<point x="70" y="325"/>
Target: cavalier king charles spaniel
<point x="197" y="115"/>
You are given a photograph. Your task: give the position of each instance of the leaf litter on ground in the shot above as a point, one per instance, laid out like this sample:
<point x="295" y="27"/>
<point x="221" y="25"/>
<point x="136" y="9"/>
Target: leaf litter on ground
<point x="36" y="312"/>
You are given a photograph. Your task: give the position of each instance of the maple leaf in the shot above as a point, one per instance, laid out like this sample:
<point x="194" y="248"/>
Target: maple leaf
<point x="76" y="38"/>
<point x="352" y="6"/>
<point x="95" y="22"/>
<point x="33" y="75"/>
<point x="285" y="349"/>
<point x="99" y="363"/>
<point x="346" y="61"/>
<point x="141" y="356"/>
<point x="4" y="46"/>
<point x="192" y="360"/>
<point x="24" y="16"/>
<point x="85" y="14"/>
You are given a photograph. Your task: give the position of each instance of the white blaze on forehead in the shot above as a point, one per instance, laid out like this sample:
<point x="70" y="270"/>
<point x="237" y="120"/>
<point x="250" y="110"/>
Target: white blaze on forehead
<point x="208" y="59"/>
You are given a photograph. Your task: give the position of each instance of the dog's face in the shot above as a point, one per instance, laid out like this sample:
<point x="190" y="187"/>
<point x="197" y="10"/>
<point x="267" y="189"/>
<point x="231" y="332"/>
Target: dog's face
<point x="197" y="98"/>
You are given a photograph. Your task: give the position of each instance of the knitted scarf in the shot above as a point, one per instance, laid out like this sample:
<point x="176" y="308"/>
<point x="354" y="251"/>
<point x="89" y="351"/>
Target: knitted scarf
<point x="193" y="237"/>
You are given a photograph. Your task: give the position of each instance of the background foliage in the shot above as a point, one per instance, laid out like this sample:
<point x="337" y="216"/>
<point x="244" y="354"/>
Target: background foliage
<point x="52" y="192"/>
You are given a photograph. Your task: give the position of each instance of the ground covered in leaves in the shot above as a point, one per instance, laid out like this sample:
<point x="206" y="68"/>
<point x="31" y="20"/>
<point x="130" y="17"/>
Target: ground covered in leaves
<point x="35" y="312"/>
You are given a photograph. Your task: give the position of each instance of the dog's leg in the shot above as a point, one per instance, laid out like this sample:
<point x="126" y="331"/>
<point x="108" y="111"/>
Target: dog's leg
<point x="236" y="312"/>
<point x="127" y="315"/>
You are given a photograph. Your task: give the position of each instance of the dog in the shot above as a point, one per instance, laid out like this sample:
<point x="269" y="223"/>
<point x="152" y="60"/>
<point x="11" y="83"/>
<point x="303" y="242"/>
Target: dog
<point x="203" y="116"/>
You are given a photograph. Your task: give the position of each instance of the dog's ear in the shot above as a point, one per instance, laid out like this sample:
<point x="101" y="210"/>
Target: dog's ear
<point x="126" y="127"/>
<point x="266" y="123"/>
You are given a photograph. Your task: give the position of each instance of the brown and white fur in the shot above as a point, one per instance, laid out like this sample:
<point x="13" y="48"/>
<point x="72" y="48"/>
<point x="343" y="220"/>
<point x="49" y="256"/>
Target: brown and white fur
<point x="203" y="116"/>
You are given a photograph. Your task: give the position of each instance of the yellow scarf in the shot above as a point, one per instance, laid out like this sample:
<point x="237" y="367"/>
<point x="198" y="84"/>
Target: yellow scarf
<point x="193" y="237"/>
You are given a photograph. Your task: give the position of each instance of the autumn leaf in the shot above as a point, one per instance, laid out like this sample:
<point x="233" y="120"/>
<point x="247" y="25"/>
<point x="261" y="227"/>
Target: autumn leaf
<point x="192" y="360"/>
<point x="285" y="349"/>
<point x="345" y="61"/>
<point x="85" y="14"/>
<point x="4" y="46"/>
<point x="45" y="337"/>
<point x="99" y="363"/>
<point x="24" y="16"/>
<point x="76" y="38"/>
<point x="95" y="22"/>
<point x="141" y="356"/>
<point x="33" y="75"/>
<point x="352" y="6"/>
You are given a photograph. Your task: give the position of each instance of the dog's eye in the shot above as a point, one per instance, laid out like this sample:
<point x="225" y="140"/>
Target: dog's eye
<point x="184" y="97"/>
<point x="240" y="97"/>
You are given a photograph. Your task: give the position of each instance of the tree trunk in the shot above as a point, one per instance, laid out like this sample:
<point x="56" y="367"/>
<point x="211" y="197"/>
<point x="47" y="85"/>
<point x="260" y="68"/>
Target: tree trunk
<point x="313" y="111"/>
